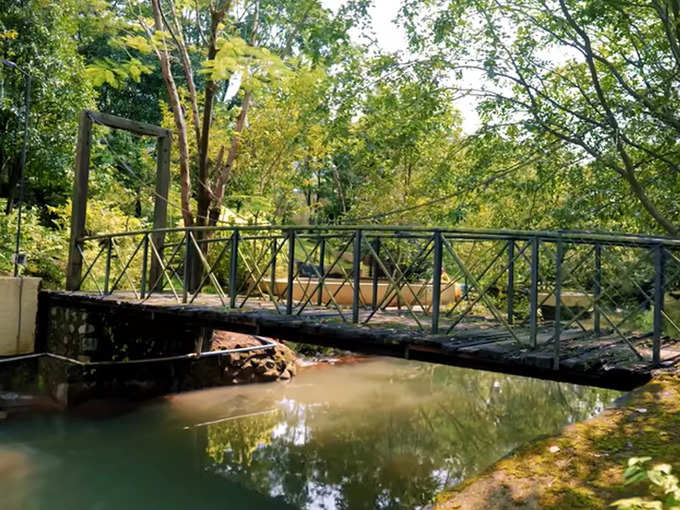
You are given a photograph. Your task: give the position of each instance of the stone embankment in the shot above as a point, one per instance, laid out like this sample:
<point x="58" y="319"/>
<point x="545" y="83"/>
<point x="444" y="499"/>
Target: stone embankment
<point x="582" y="468"/>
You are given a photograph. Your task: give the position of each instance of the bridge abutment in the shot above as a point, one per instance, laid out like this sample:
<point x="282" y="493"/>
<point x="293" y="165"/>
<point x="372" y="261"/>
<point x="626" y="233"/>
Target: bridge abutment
<point x="96" y="351"/>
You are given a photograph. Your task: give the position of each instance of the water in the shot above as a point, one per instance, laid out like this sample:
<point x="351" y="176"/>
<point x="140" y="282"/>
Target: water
<point x="378" y="434"/>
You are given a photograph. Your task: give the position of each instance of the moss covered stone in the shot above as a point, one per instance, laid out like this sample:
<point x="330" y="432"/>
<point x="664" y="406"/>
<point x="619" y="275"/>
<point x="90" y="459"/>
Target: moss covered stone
<point x="582" y="468"/>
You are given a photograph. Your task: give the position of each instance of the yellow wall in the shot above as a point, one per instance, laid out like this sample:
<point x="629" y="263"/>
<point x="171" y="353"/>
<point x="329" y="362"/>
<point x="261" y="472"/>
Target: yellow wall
<point x="18" y="304"/>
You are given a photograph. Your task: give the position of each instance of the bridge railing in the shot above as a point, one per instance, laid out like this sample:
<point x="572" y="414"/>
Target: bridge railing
<point x="535" y="288"/>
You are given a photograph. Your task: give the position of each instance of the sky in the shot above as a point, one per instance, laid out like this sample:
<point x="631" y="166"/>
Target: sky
<point x="391" y="37"/>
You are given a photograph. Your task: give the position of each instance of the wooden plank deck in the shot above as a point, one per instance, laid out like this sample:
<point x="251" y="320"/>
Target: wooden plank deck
<point x="476" y="342"/>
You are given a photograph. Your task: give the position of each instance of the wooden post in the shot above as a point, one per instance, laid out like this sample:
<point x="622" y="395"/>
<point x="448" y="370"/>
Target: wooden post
<point x="80" y="186"/>
<point x="79" y="201"/>
<point x="160" y="210"/>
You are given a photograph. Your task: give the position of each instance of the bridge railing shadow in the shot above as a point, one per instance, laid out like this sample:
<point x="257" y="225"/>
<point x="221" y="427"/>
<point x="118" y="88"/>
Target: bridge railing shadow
<point x="538" y="289"/>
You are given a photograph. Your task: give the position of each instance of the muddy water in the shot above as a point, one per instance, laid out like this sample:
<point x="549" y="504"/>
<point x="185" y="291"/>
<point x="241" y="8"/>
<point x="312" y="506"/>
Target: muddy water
<point x="377" y="434"/>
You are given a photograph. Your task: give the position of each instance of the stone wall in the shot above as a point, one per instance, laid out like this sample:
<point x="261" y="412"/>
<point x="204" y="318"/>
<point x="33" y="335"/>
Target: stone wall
<point x="106" y="333"/>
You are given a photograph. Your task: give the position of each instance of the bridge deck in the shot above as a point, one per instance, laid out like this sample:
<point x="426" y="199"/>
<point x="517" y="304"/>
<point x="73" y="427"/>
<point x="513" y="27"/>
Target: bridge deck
<point x="476" y="342"/>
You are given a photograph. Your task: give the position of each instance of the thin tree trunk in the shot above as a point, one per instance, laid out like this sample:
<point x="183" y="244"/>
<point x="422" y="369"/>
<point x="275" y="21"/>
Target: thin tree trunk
<point x="224" y="173"/>
<point x="178" y="114"/>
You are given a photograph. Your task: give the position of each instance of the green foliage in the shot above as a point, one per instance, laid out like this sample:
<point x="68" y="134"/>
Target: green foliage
<point x="597" y="78"/>
<point x="663" y="486"/>
<point x="45" y="246"/>
<point x="45" y="46"/>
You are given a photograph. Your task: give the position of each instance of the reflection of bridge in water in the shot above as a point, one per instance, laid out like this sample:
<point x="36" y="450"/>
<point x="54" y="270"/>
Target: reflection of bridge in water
<point x="588" y="307"/>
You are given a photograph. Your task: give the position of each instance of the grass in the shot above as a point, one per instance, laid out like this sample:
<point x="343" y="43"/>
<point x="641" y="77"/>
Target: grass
<point x="582" y="468"/>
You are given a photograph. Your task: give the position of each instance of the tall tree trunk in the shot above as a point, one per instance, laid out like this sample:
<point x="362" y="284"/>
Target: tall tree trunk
<point x="178" y="115"/>
<point x="223" y="174"/>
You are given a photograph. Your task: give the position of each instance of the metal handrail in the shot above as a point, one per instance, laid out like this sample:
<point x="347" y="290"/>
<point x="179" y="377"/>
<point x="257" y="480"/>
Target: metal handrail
<point x="178" y="267"/>
<point x="623" y="239"/>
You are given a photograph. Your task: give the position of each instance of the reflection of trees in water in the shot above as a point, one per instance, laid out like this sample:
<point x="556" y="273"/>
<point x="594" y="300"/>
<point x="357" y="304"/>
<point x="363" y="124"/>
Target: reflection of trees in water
<point x="426" y="427"/>
<point x="238" y="439"/>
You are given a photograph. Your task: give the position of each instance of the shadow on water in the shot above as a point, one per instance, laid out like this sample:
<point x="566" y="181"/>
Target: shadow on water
<point x="379" y="434"/>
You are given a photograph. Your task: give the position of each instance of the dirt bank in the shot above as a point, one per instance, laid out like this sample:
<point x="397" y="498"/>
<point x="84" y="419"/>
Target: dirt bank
<point x="582" y="468"/>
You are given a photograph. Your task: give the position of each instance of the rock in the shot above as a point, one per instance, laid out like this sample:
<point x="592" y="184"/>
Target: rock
<point x="259" y="365"/>
<point x="246" y="371"/>
<point x="269" y="375"/>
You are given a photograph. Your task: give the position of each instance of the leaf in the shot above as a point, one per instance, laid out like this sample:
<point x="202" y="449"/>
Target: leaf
<point x="138" y="43"/>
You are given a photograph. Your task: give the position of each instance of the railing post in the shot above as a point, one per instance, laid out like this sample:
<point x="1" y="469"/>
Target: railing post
<point x="374" y="271"/>
<point x="597" y="290"/>
<point x="145" y="263"/>
<point x="107" y="273"/>
<point x="659" y="283"/>
<point x="233" y="268"/>
<point x="186" y="279"/>
<point x="291" y="272"/>
<point x="322" y="268"/>
<point x="436" y="281"/>
<point x="272" y="277"/>
<point x="533" y="293"/>
<point x="511" y="280"/>
<point x="356" y="272"/>
<point x="557" y="325"/>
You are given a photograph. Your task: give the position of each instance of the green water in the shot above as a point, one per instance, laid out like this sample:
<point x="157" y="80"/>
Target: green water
<point x="378" y="434"/>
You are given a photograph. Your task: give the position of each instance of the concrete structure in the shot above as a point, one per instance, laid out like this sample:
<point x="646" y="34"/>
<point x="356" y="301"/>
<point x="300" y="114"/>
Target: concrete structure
<point x="18" y="309"/>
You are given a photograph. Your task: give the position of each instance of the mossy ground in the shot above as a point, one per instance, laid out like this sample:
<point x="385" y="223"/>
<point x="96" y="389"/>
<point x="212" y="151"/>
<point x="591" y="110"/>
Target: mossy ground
<point x="582" y="467"/>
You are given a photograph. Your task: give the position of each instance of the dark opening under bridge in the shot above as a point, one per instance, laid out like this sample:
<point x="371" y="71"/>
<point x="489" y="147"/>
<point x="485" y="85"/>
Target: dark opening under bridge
<point x="586" y="307"/>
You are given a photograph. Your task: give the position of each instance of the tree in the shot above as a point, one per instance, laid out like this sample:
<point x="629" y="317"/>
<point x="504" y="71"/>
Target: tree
<point x="41" y="38"/>
<point x="215" y="59"/>
<point x="600" y="77"/>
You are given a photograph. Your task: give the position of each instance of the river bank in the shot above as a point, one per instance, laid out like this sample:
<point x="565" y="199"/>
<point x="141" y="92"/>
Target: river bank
<point x="582" y="467"/>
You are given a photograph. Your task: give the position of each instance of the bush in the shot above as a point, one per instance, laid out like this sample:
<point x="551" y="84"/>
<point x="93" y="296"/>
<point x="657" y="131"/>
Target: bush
<point x="46" y="247"/>
<point x="664" y="491"/>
